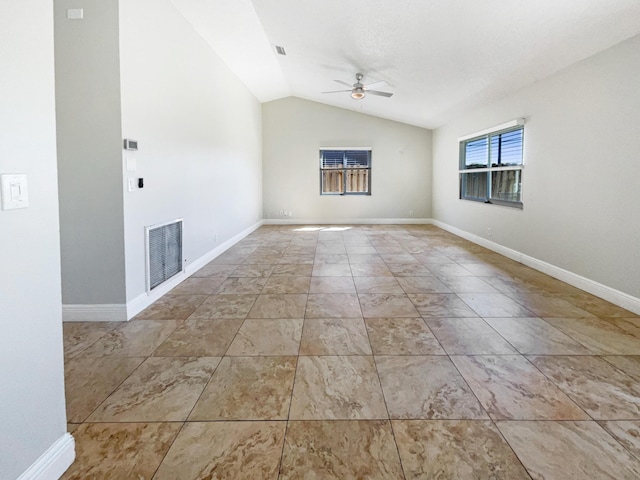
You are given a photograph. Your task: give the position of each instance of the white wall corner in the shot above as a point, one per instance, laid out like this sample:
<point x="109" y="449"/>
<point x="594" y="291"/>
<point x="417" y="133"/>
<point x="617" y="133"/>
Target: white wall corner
<point x="145" y="299"/>
<point x="54" y="462"/>
<point x="348" y="221"/>
<point x="94" y="313"/>
<point x="612" y="295"/>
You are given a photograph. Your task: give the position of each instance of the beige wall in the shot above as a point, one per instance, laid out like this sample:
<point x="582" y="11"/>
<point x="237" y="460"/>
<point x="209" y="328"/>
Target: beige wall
<point x="32" y="408"/>
<point x="89" y="146"/>
<point x="294" y="130"/>
<point x="580" y="182"/>
<point x="199" y="133"/>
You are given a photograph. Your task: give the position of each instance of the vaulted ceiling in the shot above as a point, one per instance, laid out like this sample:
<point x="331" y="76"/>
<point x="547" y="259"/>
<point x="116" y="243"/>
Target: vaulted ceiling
<point x="438" y="57"/>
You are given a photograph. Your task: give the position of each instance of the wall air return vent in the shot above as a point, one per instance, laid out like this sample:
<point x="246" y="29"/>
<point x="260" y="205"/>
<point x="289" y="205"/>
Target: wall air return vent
<point x="164" y="252"/>
<point x="280" y="50"/>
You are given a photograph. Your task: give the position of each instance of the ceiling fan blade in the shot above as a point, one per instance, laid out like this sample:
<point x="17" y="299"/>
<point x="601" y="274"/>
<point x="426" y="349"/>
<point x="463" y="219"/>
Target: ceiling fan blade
<point x="344" y="83"/>
<point x="380" y="94"/>
<point x="382" y="83"/>
<point x="338" y="91"/>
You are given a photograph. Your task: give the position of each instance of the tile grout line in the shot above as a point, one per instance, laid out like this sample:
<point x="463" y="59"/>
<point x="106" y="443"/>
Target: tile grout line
<point x="381" y="234"/>
<point x="288" y="417"/>
<point x="386" y="405"/>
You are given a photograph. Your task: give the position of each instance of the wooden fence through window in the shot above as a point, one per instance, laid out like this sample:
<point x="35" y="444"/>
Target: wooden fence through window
<point x="356" y="180"/>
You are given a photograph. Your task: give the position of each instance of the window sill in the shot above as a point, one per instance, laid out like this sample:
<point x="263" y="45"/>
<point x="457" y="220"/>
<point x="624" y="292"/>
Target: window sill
<point x="502" y="203"/>
<point x="363" y="194"/>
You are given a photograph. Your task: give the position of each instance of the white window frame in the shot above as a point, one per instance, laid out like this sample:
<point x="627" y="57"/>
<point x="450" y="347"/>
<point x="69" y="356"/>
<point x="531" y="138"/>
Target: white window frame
<point x="517" y="124"/>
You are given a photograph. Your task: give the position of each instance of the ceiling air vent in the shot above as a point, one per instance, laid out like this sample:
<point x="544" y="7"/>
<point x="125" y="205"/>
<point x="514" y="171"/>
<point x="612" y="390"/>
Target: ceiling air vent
<point x="280" y="50"/>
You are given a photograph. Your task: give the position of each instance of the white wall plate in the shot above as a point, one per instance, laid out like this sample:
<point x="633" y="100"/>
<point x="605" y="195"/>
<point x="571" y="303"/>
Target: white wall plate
<point x="15" y="193"/>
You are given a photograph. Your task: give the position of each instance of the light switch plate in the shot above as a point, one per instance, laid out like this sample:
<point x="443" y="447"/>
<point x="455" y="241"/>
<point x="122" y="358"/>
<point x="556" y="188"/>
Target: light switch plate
<point x="132" y="165"/>
<point x="14" y="191"/>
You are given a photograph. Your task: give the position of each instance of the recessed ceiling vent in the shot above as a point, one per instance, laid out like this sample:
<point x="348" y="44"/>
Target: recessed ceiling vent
<point x="280" y="50"/>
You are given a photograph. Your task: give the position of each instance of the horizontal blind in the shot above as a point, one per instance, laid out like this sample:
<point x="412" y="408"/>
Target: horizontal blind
<point x="357" y="158"/>
<point x="502" y="149"/>
<point x="476" y="153"/>
<point x="506" y="148"/>
<point x="345" y="158"/>
<point x="332" y="158"/>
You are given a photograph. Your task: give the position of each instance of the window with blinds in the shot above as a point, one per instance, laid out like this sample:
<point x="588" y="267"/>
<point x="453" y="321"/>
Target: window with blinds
<point x="491" y="167"/>
<point x="345" y="172"/>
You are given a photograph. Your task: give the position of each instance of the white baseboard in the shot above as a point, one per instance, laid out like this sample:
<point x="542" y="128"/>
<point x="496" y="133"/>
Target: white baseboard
<point x="116" y="312"/>
<point x="483" y="242"/>
<point x="621" y="299"/>
<point x="347" y="221"/>
<point x="54" y="462"/>
<point x="94" y="313"/>
<point x="612" y="295"/>
<point x="207" y="257"/>
<point x="143" y="300"/>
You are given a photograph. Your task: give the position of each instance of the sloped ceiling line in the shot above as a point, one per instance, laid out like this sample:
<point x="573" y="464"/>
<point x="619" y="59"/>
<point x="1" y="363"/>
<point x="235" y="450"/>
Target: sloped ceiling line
<point x="439" y="58"/>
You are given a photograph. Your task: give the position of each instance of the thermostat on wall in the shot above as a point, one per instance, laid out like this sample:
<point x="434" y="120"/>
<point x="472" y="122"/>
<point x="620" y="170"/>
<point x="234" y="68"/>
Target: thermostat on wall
<point x="130" y="144"/>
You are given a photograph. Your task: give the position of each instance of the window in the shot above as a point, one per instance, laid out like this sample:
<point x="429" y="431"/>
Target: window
<point x="491" y="165"/>
<point x="345" y="172"/>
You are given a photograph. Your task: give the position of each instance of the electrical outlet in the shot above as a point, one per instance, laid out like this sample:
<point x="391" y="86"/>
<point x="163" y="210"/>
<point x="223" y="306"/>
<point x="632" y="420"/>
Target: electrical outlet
<point x="411" y="213"/>
<point x="290" y="213"/>
<point x="489" y="232"/>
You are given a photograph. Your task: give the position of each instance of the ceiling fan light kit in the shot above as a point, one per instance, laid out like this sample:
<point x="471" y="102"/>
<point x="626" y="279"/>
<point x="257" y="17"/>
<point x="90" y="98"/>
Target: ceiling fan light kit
<point x="357" y="93"/>
<point x="358" y="90"/>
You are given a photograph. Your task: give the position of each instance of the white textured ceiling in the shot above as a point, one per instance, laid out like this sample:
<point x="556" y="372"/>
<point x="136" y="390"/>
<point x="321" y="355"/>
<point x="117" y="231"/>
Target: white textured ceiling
<point x="438" y="57"/>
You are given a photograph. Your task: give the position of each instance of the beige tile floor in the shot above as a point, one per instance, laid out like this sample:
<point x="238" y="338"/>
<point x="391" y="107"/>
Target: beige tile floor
<point x="368" y="352"/>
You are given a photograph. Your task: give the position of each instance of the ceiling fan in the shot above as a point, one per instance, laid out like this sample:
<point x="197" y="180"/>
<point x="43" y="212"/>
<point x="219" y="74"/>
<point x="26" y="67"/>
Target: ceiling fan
<point x="358" y="90"/>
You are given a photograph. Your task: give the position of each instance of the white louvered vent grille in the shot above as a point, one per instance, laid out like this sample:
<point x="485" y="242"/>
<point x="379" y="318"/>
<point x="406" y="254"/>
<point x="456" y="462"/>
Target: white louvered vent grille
<point x="164" y="252"/>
